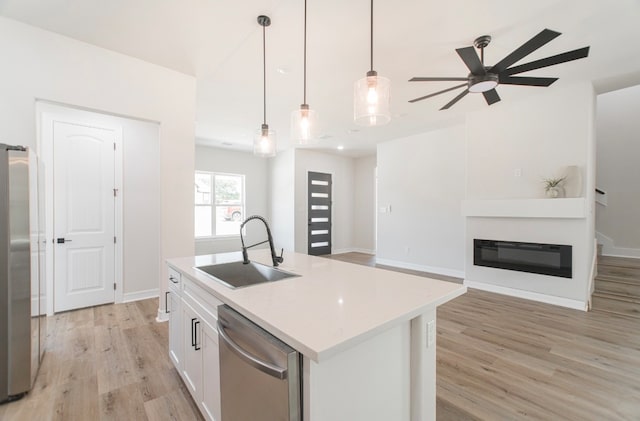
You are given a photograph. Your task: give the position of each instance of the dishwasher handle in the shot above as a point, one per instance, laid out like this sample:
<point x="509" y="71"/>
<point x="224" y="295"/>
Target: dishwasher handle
<point x="265" y="367"/>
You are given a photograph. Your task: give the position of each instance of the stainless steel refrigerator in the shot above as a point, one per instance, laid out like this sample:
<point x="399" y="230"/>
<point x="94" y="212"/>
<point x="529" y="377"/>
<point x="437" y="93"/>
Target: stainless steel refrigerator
<point x="21" y="251"/>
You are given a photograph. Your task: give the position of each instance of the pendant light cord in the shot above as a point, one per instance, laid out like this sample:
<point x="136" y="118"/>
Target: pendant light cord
<point x="371" y="35"/>
<point x="264" y="75"/>
<point x="304" y="100"/>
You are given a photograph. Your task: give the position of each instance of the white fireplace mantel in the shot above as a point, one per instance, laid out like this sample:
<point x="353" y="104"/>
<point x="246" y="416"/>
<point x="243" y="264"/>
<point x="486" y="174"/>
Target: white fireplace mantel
<point x="526" y="208"/>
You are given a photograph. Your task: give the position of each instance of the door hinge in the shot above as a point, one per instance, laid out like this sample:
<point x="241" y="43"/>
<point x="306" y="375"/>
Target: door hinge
<point x="115" y="192"/>
<point x="114" y="146"/>
<point x="114" y="286"/>
<point x="114" y="240"/>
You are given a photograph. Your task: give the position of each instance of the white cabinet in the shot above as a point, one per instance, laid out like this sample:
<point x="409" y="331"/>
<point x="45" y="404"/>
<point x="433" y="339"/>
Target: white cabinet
<point x="192" y="368"/>
<point x="176" y="343"/>
<point x="193" y="342"/>
<point x="174" y="308"/>
<point x="210" y="366"/>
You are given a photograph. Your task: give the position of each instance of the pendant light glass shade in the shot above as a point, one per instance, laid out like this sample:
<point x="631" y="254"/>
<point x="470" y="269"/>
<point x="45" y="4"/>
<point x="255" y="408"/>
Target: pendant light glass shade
<point x="371" y="100"/>
<point x="303" y="125"/>
<point x="371" y="95"/>
<point x="264" y="142"/>
<point x="304" y="120"/>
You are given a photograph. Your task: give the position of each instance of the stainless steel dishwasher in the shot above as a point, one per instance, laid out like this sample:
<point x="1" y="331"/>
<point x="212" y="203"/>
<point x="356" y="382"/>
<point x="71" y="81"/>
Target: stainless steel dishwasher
<point x="259" y="374"/>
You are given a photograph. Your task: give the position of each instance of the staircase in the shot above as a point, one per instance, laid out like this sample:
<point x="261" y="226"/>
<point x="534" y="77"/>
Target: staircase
<point x="617" y="286"/>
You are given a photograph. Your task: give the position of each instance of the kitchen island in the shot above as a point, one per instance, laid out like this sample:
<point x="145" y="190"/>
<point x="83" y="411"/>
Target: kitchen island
<point x="367" y="335"/>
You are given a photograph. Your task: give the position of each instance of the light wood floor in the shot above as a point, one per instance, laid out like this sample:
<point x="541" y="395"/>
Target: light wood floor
<point x="499" y="358"/>
<point x="505" y="358"/>
<point x="106" y="363"/>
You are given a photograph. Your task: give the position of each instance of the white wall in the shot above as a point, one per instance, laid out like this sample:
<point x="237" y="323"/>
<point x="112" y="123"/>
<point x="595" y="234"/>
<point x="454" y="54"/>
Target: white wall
<point x="618" y="171"/>
<point x="141" y="189"/>
<point x="256" y="172"/>
<point x="365" y="204"/>
<point x="38" y="64"/>
<point x="422" y="179"/>
<point x="282" y="199"/>
<point x="342" y="171"/>
<point x="539" y="135"/>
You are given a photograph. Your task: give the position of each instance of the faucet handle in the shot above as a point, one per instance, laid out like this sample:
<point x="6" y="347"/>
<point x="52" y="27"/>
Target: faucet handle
<point x="280" y="259"/>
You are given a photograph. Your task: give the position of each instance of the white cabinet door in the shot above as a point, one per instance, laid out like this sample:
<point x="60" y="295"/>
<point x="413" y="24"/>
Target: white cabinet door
<point x="192" y="337"/>
<point x="211" y="370"/>
<point x="176" y="337"/>
<point x="193" y="342"/>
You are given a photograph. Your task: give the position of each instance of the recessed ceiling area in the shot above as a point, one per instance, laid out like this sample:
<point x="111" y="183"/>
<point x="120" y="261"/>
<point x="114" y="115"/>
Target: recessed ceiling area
<point x="220" y="44"/>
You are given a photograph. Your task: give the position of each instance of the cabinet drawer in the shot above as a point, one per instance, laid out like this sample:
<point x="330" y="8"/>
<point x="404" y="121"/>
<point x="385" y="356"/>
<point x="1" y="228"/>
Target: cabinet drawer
<point x="203" y="301"/>
<point x="175" y="279"/>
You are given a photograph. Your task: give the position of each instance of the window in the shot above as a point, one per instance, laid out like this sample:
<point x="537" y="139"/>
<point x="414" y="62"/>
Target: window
<point x="219" y="204"/>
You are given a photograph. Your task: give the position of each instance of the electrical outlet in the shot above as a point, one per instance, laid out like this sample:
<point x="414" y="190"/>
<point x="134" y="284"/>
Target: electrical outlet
<point x="407" y="250"/>
<point x="517" y="172"/>
<point x="431" y="333"/>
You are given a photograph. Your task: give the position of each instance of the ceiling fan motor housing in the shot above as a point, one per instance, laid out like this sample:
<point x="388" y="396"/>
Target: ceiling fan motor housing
<point x="482" y="83"/>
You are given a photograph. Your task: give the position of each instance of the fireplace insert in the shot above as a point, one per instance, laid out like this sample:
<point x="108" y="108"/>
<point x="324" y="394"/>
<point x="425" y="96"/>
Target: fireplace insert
<point x="545" y="259"/>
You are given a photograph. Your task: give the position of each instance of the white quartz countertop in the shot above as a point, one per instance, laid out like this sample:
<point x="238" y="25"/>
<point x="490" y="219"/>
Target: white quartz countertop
<point x="331" y="306"/>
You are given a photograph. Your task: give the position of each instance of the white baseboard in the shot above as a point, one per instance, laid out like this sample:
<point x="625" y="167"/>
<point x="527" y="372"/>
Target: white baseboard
<point x="610" y="249"/>
<point x="139" y="295"/>
<point x="421" y="268"/>
<point x="353" y="250"/>
<point x="528" y="295"/>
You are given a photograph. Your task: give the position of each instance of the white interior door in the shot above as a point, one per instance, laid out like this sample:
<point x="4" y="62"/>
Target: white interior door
<point x="84" y="215"/>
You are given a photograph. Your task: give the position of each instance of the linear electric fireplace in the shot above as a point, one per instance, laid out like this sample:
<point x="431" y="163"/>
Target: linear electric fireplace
<point x="545" y="259"/>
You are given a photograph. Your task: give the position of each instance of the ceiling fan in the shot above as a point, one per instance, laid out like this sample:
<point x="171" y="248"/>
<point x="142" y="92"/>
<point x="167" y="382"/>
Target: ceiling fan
<point x="484" y="79"/>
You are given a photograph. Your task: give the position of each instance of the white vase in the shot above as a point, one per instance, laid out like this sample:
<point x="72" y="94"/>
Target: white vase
<point x="555" y="192"/>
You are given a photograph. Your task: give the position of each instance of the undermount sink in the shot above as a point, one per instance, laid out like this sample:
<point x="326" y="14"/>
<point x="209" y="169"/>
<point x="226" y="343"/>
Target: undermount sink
<point x="238" y="275"/>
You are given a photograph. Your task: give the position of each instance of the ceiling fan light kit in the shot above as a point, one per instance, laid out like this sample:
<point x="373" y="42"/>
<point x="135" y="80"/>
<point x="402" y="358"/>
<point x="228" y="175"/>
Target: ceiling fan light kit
<point x="304" y="120"/>
<point x="484" y="79"/>
<point x="371" y="95"/>
<point x="264" y="141"/>
<point x="482" y="83"/>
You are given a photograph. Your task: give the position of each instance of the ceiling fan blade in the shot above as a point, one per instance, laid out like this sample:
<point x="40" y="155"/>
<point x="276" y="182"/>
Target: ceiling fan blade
<point x="436" y="79"/>
<point x="549" y="61"/>
<point x="456" y="99"/>
<point x="528" y="81"/>
<point x="491" y="96"/>
<point x="437" y="93"/>
<point x="471" y="59"/>
<point x="525" y="49"/>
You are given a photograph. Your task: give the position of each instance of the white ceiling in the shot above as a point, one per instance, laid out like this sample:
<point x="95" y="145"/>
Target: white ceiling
<point x="220" y="43"/>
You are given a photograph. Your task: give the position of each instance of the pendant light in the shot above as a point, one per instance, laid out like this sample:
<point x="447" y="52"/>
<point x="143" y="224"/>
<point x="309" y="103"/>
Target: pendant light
<point x="303" y="121"/>
<point x="264" y="141"/>
<point x="371" y="95"/>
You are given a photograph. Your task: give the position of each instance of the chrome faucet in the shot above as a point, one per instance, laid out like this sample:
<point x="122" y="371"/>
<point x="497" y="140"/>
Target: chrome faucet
<point x="245" y="256"/>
